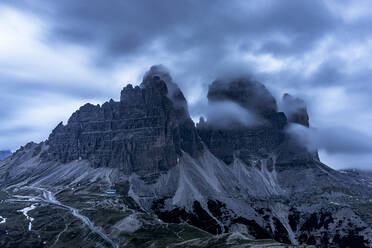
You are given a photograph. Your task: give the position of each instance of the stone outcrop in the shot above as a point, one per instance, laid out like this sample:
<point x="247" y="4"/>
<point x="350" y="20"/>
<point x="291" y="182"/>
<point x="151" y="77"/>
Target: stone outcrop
<point x="149" y="128"/>
<point x="144" y="133"/>
<point x="244" y="142"/>
<point x="295" y="110"/>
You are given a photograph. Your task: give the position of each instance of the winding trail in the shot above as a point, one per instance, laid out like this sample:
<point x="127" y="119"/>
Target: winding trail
<point x="59" y="235"/>
<point x="49" y="197"/>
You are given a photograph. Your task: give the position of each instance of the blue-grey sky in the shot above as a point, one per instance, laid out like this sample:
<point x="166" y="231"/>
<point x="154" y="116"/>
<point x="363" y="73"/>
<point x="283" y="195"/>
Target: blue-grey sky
<point x="57" y="55"/>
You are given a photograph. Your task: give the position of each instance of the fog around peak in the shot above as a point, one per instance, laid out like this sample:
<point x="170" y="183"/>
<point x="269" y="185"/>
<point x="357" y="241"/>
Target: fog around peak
<point x="227" y="114"/>
<point x="335" y="140"/>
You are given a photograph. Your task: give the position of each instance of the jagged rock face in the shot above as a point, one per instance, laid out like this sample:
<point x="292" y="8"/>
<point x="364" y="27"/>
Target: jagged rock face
<point x="144" y="133"/>
<point x="244" y="142"/>
<point x="191" y="142"/>
<point x="295" y="110"/>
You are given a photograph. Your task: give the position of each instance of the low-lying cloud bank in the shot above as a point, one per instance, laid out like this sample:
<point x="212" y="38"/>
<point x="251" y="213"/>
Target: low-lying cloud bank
<point x="226" y="114"/>
<point x="342" y="147"/>
<point x="333" y="140"/>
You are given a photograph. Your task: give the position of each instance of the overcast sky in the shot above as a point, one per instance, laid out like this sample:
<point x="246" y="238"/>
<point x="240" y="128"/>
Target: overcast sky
<point x="58" y="55"/>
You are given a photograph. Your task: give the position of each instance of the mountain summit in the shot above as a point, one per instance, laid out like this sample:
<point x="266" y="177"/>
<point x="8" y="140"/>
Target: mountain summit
<point x="136" y="166"/>
<point x="144" y="133"/>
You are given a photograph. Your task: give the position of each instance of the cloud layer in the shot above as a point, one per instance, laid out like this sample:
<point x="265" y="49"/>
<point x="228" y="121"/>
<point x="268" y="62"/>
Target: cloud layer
<point x="56" y="55"/>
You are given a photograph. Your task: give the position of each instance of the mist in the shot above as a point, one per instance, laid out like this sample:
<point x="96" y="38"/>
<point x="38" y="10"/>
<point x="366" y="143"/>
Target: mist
<point x="227" y="114"/>
<point x="333" y="140"/>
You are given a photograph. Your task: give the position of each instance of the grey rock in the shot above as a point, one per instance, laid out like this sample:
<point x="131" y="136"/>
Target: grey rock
<point x="144" y="133"/>
<point x="295" y="110"/>
<point x="244" y="142"/>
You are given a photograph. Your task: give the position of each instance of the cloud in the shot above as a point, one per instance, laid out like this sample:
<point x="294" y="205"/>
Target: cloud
<point x="333" y="140"/>
<point x="347" y="161"/>
<point x="227" y="114"/>
<point x="197" y="32"/>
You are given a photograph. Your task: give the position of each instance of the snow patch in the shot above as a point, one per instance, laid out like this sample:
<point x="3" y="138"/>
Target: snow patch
<point x="2" y="220"/>
<point x="29" y="218"/>
<point x="129" y="224"/>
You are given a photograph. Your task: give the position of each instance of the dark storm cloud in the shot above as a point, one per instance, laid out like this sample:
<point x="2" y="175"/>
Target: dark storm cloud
<point x="201" y="35"/>
<point x="125" y="28"/>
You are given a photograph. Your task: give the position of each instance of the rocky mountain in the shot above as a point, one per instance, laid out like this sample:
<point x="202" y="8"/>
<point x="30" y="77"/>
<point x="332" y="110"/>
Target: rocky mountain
<point x="140" y="173"/>
<point x="5" y="154"/>
<point x="145" y="133"/>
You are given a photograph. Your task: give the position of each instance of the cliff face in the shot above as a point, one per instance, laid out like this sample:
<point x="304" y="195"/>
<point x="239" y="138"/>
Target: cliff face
<point x="144" y="133"/>
<point x="147" y="131"/>
<point x="295" y="109"/>
<point x="149" y="128"/>
<point x="244" y="141"/>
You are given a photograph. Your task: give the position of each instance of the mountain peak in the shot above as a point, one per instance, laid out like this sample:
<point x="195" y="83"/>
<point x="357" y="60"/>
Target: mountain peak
<point x="295" y="110"/>
<point x="157" y="73"/>
<point x="242" y="140"/>
<point x="144" y="133"/>
<point x="249" y="94"/>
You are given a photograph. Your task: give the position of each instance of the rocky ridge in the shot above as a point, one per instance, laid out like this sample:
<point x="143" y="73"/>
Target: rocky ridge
<point x="145" y="133"/>
<point x="255" y="181"/>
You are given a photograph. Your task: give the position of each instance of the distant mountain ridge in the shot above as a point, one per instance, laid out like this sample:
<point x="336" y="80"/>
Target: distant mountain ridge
<point x="247" y="177"/>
